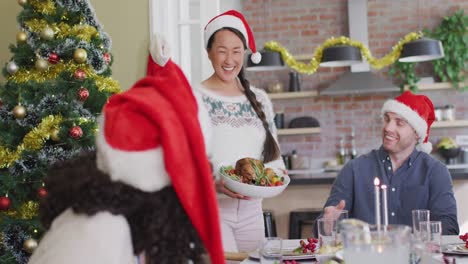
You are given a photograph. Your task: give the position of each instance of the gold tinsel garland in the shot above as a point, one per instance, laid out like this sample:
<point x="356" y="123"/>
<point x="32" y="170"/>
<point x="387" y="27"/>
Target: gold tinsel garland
<point x="26" y="211"/>
<point x="314" y="63"/>
<point x="44" y="7"/>
<point x="34" y="140"/>
<point x="103" y="83"/>
<point x="63" y="30"/>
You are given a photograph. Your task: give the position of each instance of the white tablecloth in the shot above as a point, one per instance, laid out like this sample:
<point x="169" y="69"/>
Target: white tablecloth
<point x="295" y="242"/>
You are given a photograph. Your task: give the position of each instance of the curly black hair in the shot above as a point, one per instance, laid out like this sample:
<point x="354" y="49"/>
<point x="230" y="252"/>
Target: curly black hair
<point x="159" y="225"/>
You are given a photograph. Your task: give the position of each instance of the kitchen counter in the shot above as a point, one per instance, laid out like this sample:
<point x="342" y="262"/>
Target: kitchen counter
<point x="322" y="176"/>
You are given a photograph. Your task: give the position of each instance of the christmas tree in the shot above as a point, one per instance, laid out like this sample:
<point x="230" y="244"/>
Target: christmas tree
<point x="57" y="81"/>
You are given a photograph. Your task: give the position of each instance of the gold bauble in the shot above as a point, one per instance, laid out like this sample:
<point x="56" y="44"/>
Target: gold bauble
<point x="29" y="245"/>
<point x="22" y="2"/>
<point x="80" y="55"/>
<point x="19" y="112"/>
<point x="47" y="33"/>
<point x="55" y="135"/>
<point x="21" y="37"/>
<point x="42" y="65"/>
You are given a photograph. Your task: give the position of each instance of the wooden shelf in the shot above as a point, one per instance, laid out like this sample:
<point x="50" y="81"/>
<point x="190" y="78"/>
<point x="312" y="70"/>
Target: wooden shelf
<point x="433" y="86"/>
<point x="292" y="95"/>
<point x="298" y="131"/>
<point x="447" y="124"/>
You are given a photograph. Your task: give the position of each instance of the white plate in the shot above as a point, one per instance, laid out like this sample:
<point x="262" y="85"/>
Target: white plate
<point x="255" y="191"/>
<point x="287" y="255"/>
<point x="455" y="249"/>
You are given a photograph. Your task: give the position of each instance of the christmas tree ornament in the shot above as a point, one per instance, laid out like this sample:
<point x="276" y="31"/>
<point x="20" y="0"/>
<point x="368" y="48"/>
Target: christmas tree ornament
<point x="80" y="55"/>
<point x="107" y="58"/>
<point x="5" y="203"/>
<point x="47" y="33"/>
<point x="42" y="192"/>
<point x="53" y="58"/>
<point x="22" y="2"/>
<point x="41" y="65"/>
<point x="19" y="112"/>
<point x="75" y="132"/>
<point x="83" y="94"/>
<point x="29" y="245"/>
<point x="80" y="74"/>
<point x="55" y="135"/>
<point x="12" y="67"/>
<point x="21" y="37"/>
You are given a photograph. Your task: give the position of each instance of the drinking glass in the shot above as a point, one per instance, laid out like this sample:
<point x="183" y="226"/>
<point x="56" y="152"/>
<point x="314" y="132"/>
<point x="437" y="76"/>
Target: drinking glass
<point x="270" y="250"/>
<point x="326" y="230"/>
<point x="340" y="215"/>
<point x="431" y="235"/>
<point x="419" y="215"/>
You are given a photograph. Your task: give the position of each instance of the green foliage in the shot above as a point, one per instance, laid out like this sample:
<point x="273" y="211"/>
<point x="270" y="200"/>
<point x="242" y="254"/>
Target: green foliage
<point x="453" y="33"/>
<point x="407" y="72"/>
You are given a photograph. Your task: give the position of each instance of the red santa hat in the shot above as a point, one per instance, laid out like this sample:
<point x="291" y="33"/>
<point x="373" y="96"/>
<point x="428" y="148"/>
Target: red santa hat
<point x="150" y="138"/>
<point x="418" y="110"/>
<point x="233" y="19"/>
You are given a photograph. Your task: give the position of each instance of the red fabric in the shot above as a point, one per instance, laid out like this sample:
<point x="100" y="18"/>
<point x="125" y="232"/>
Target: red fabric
<point x="162" y="110"/>
<point x="422" y="105"/>
<point x="246" y="25"/>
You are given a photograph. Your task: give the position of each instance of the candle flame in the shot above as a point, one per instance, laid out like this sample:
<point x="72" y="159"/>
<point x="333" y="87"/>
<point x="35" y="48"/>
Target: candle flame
<point x="383" y="186"/>
<point x="376" y="181"/>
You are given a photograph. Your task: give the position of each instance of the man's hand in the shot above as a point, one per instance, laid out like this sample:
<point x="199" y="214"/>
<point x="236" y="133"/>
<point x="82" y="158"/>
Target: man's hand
<point x="333" y="212"/>
<point x="221" y="188"/>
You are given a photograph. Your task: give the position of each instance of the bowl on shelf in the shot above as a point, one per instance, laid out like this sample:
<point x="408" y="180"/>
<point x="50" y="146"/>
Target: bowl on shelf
<point x="449" y="154"/>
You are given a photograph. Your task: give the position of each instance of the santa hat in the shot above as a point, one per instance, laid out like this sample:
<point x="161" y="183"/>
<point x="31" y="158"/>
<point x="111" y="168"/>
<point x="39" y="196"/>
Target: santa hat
<point x="150" y="138"/>
<point x="418" y="110"/>
<point x="233" y="19"/>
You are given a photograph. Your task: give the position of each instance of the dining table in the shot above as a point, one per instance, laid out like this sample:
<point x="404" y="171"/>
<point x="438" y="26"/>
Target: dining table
<point x="446" y="240"/>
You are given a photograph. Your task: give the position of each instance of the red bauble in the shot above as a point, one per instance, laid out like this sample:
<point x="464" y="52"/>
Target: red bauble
<point x="53" y="58"/>
<point x="42" y="192"/>
<point x="80" y="74"/>
<point x="75" y="132"/>
<point x="107" y="58"/>
<point x="5" y="203"/>
<point x="83" y="94"/>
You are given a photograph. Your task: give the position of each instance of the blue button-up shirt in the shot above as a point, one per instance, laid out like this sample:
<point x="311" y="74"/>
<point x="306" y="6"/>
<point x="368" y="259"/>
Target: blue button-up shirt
<point x="421" y="182"/>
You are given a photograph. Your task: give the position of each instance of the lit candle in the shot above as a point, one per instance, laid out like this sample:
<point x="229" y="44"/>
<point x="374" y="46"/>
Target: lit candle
<point x="377" y="202"/>
<point x="385" y="205"/>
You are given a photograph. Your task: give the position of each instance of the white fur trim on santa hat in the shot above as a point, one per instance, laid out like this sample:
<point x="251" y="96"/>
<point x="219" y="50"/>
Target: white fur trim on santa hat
<point x="424" y="147"/>
<point x="413" y="118"/>
<point x="160" y="50"/>
<point x="256" y="57"/>
<point x="144" y="170"/>
<point x="225" y="21"/>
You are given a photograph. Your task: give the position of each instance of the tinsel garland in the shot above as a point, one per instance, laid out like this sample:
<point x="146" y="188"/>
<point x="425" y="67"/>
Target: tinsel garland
<point x="45" y="7"/>
<point x="63" y="30"/>
<point x="104" y="83"/>
<point x="314" y="63"/>
<point x="26" y="211"/>
<point x="34" y="140"/>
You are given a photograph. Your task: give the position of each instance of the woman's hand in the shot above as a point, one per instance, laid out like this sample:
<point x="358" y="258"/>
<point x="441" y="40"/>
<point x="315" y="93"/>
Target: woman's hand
<point x="221" y="188"/>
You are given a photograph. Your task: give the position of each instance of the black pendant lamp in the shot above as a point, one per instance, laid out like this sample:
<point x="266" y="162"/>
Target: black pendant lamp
<point x="340" y="56"/>
<point x="271" y="61"/>
<point x="423" y="49"/>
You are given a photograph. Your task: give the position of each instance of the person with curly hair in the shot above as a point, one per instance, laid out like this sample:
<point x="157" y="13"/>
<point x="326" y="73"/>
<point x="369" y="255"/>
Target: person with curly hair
<point x="147" y="193"/>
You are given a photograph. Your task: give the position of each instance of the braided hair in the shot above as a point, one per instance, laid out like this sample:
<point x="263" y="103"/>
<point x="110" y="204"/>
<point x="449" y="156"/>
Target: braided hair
<point x="270" y="147"/>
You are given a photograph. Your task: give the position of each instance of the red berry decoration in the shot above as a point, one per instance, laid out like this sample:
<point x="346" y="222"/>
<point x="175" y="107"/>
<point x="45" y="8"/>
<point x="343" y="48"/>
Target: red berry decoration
<point x="107" y="58"/>
<point x="75" y="132"/>
<point x="80" y="74"/>
<point x="5" y="203"/>
<point x="308" y="246"/>
<point x="42" y="192"/>
<point x="83" y="94"/>
<point x="53" y="58"/>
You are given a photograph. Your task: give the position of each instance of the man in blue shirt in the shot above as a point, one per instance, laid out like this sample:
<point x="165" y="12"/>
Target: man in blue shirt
<point x="415" y="180"/>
